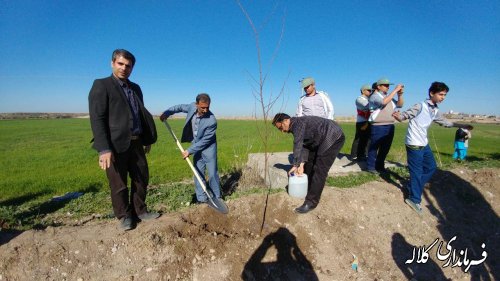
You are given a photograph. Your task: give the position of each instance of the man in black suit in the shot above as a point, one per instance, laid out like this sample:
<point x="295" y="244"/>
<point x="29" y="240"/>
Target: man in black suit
<point x="123" y="133"/>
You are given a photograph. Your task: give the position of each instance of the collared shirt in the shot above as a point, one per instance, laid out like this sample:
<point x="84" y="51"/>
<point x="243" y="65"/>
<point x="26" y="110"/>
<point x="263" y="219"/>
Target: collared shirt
<point x="417" y="108"/>
<point x="313" y="106"/>
<point x="312" y="133"/>
<point x="134" y="107"/>
<point x="421" y="115"/>
<point x="381" y="114"/>
<point x="362" y="108"/>
<point x="195" y="123"/>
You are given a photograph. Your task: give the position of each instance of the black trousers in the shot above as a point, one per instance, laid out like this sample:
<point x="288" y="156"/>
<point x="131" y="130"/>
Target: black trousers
<point x="317" y="167"/>
<point x="131" y="162"/>
<point x="360" y="144"/>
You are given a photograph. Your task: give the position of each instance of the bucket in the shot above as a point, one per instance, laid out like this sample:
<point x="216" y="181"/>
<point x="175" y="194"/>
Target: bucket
<point x="297" y="186"/>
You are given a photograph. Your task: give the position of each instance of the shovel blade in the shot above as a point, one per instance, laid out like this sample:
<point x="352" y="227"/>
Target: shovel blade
<point x="218" y="204"/>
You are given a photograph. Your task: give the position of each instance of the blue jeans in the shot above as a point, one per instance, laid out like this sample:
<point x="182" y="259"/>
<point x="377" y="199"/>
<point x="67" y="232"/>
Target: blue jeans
<point x="422" y="166"/>
<point x="380" y="143"/>
<point x="207" y="159"/>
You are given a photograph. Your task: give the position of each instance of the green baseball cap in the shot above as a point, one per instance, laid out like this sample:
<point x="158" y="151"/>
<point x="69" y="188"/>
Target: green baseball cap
<point x="384" y="81"/>
<point x="307" y="81"/>
<point x="366" y="87"/>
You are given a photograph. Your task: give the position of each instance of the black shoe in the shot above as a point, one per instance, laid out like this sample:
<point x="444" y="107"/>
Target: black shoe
<point x="382" y="171"/>
<point x="149" y="216"/>
<point x="306" y="207"/>
<point x="126" y="223"/>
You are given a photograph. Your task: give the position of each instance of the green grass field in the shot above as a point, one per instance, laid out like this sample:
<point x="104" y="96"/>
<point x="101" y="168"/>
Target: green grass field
<point x="45" y="158"/>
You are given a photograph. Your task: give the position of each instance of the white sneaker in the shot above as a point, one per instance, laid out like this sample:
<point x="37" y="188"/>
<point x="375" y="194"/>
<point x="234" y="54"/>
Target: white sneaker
<point x="415" y="206"/>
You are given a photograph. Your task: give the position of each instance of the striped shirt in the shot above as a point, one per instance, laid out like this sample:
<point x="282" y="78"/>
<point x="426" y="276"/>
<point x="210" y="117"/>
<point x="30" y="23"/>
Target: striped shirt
<point x="318" y="104"/>
<point x="312" y="133"/>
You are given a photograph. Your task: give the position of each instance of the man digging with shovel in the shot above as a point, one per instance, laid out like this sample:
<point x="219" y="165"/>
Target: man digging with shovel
<point x="199" y="129"/>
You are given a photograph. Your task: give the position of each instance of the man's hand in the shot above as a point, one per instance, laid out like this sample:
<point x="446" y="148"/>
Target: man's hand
<point x="397" y="115"/>
<point x="147" y="149"/>
<point x="364" y="127"/>
<point x="185" y="154"/>
<point x="297" y="170"/>
<point x="163" y="117"/>
<point x="105" y="160"/>
<point x="399" y="89"/>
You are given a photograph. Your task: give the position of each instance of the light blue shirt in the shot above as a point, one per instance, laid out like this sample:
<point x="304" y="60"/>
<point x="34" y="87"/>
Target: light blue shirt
<point x="195" y="122"/>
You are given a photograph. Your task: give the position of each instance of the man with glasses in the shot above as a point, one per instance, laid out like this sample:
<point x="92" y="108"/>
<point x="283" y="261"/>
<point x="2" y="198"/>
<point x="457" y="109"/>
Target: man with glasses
<point x="382" y="106"/>
<point x="316" y="143"/>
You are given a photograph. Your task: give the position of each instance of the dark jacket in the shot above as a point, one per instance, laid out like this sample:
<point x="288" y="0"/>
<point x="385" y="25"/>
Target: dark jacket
<point x="312" y="133"/>
<point x="111" y="118"/>
<point x="460" y="135"/>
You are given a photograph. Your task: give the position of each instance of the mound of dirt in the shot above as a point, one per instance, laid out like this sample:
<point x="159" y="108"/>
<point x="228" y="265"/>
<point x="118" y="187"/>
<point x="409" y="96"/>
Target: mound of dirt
<point x="371" y="222"/>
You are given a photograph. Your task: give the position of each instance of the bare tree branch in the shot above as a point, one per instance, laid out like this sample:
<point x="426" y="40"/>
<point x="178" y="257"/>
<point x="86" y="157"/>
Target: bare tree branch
<point x="266" y="105"/>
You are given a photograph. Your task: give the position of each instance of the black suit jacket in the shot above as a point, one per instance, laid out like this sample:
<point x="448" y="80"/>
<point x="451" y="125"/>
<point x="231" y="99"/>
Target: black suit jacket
<point x="111" y="118"/>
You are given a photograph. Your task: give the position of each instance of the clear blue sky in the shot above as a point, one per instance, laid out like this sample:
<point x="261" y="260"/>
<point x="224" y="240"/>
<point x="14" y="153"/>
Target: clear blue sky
<point x="51" y="51"/>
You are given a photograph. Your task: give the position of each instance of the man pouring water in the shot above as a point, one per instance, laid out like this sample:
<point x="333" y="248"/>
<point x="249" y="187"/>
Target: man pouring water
<point x="317" y="142"/>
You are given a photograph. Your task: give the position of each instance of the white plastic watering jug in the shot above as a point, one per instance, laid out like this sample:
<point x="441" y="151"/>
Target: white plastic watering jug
<point x="297" y="186"/>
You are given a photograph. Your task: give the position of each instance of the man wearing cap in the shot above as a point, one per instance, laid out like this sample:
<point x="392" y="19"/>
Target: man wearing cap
<point x="382" y="105"/>
<point x="314" y="103"/>
<point x="358" y="149"/>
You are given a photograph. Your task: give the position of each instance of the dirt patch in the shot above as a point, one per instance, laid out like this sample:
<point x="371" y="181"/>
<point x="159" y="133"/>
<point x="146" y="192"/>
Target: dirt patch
<point x="370" y="221"/>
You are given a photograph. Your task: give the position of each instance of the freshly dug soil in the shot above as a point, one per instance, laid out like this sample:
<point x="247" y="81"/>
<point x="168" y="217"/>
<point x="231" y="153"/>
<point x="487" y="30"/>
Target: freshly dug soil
<point x="371" y="222"/>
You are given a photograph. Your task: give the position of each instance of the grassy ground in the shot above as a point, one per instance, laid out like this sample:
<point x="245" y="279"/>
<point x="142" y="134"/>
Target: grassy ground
<point x="45" y="158"/>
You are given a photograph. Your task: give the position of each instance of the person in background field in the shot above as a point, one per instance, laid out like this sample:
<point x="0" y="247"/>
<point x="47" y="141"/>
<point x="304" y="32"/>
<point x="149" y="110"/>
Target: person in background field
<point x="421" y="161"/>
<point x="382" y="104"/>
<point x="316" y="143"/>
<point x="199" y="129"/>
<point x="360" y="143"/>
<point x="462" y="136"/>
<point x="466" y="142"/>
<point x="123" y="132"/>
<point x="314" y="103"/>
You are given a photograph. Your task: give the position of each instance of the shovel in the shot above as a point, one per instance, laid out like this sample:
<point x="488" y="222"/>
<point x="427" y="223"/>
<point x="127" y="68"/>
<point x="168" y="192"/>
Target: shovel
<point x="213" y="202"/>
